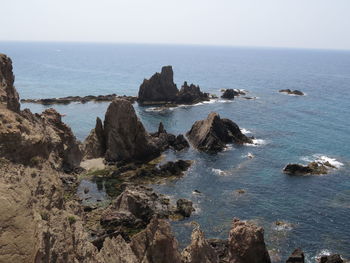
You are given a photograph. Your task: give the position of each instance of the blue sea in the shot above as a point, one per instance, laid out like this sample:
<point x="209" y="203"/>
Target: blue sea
<point x="287" y="129"/>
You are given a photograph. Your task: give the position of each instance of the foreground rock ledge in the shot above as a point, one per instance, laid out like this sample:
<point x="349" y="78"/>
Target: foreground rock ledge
<point x="212" y="134"/>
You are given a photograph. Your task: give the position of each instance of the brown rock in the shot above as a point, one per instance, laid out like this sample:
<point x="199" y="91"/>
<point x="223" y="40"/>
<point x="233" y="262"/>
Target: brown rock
<point x="246" y="243"/>
<point x="296" y="257"/>
<point x="156" y="244"/>
<point x="95" y="144"/>
<point x="199" y="251"/>
<point x="8" y="95"/>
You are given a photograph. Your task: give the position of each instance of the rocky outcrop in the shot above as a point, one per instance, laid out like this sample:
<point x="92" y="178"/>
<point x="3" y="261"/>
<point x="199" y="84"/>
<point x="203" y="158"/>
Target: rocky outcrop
<point x="335" y="258"/>
<point x="246" y="243"/>
<point x="292" y="92"/>
<point x="8" y="95"/>
<point x="213" y="133"/>
<point x="296" y="257"/>
<point x="84" y="99"/>
<point x="229" y="94"/>
<point x="191" y="94"/>
<point x="159" y="89"/>
<point x="312" y="168"/>
<point x="122" y="137"/>
<point x="165" y="140"/>
<point x="199" y="251"/>
<point x="156" y="244"/>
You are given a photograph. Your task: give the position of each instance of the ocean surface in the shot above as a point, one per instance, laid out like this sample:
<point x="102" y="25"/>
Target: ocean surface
<point x="287" y="129"/>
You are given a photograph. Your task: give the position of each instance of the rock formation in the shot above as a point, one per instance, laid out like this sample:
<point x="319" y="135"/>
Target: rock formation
<point x="8" y="95"/>
<point x="229" y="94"/>
<point x="335" y="258"/>
<point x="292" y="92"/>
<point x="159" y="89"/>
<point x="311" y="168"/>
<point x="246" y="243"/>
<point x="122" y="137"/>
<point x="70" y="99"/>
<point x="165" y="140"/>
<point x="199" y="251"/>
<point x="296" y="257"/>
<point x="191" y="94"/>
<point x="213" y="133"/>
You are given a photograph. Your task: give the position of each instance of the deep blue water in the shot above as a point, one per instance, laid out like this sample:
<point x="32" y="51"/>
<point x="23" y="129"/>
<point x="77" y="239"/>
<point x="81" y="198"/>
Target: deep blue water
<point x="290" y="128"/>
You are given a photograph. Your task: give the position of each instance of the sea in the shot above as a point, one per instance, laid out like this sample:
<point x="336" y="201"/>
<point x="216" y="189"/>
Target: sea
<point x="311" y="212"/>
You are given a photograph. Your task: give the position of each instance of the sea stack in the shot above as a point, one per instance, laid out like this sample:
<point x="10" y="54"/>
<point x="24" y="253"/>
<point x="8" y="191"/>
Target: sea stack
<point x="122" y="137"/>
<point x="212" y="134"/>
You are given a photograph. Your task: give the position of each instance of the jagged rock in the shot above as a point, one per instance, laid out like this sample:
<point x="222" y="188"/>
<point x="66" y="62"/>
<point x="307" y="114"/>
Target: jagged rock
<point x="191" y="94"/>
<point x="8" y="95"/>
<point x="335" y="258"/>
<point x="159" y="89"/>
<point x="184" y="207"/>
<point x="199" y="251"/>
<point x="246" y="243"/>
<point x="156" y="244"/>
<point x="213" y="133"/>
<point x="311" y="168"/>
<point x="296" y="257"/>
<point x="116" y="250"/>
<point x="164" y="140"/>
<point x="229" y="94"/>
<point x="292" y="92"/>
<point x="70" y="99"/>
<point x="95" y="144"/>
<point x="220" y="246"/>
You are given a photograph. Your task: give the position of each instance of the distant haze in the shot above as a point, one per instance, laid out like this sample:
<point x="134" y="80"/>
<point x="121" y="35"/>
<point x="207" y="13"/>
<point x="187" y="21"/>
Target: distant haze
<point x="266" y="23"/>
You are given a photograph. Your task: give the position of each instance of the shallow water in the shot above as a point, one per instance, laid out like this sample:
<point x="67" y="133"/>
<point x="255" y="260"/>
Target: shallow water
<point x="288" y="129"/>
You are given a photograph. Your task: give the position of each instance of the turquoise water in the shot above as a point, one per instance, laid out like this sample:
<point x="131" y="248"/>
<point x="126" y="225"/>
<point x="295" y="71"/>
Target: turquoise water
<point x="289" y="128"/>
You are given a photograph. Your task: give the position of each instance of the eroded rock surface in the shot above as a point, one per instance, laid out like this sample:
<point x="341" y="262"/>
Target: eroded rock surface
<point x="213" y="133"/>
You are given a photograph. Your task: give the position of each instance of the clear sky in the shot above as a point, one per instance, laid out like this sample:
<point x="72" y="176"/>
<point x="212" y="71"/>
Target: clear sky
<point x="270" y="23"/>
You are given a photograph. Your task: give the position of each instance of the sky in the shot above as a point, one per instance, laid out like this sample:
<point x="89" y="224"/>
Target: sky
<point x="323" y="24"/>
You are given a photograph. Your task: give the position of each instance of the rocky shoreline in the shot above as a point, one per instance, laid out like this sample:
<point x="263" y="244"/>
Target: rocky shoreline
<point x="43" y="220"/>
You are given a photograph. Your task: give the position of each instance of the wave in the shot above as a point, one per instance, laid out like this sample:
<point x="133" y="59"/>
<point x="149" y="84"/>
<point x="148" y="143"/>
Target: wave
<point x="218" y="171"/>
<point x="245" y="131"/>
<point x="256" y="143"/>
<point x="322" y="159"/>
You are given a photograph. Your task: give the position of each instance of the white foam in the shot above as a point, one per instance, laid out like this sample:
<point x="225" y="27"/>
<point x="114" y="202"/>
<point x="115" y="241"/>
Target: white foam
<point x="322" y="159"/>
<point x="245" y="131"/>
<point x="218" y="171"/>
<point x="256" y="142"/>
<point x="323" y="252"/>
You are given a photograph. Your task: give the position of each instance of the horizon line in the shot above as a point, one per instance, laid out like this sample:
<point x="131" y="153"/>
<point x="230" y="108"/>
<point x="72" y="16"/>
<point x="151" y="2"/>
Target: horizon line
<point x="172" y="44"/>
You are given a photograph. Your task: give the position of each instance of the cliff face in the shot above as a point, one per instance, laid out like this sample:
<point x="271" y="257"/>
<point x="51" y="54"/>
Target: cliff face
<point x="8" y="95"/>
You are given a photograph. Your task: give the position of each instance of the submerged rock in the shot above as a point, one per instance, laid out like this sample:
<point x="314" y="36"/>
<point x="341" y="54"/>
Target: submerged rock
<point x="311" y="168"/>
<point x="335" y="258"/>
<point x="213" y="133"/>
<point x="296" y="257"/>
<point x="246" y="243"/>
<point x="292" y="92"/>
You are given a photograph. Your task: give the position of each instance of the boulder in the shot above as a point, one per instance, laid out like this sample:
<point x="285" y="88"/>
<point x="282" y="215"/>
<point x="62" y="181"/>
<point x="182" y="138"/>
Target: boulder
<point x="159" y="89"/>
<point x="8" y="95"/>
<point x="184" y="207"/>
<point x="229" y="94"/>
<point x="213" y="133"/>
<point x="246" y="243"/>
<point x="191" y="94"/>
<point x="335" y="258"/>
<point x="165" y="140"/>
<point x="95" y="145"/>
<point x="311" y="168"/>
<point x="296" y="257"/>
<point x="199" y="251"/>
<point x="156" y="244"/>
<point x="292" y="92"/>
